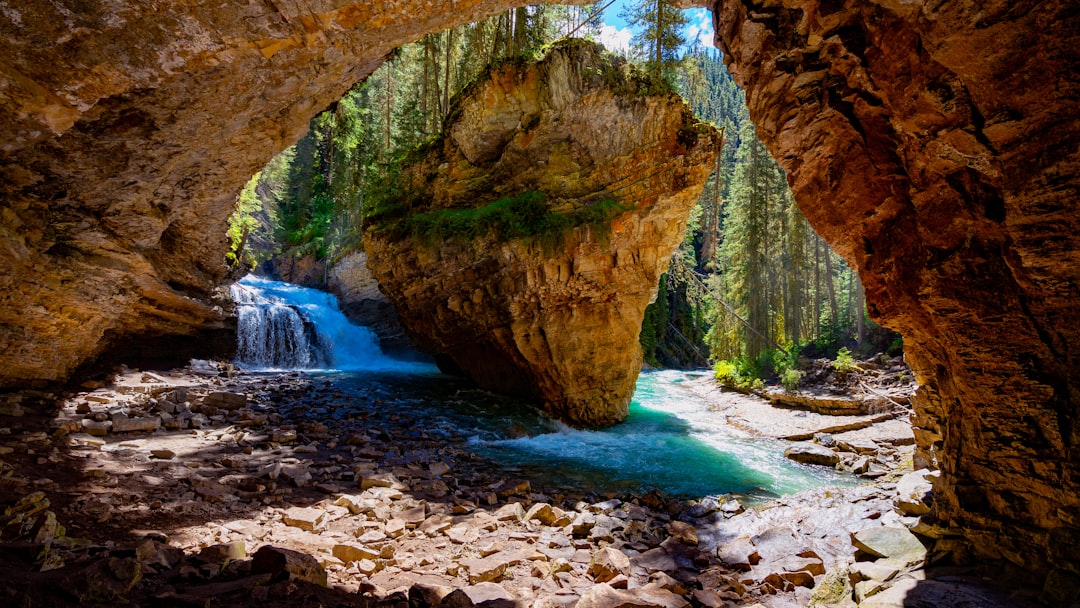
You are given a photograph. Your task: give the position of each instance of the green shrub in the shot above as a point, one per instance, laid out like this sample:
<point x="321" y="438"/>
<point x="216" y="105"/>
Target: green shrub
<point x="789" y="379"/>
<point x="844" y="362"/>
<point x="508" y="218"/>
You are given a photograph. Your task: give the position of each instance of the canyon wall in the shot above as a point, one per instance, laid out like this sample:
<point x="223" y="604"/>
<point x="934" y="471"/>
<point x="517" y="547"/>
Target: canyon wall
<point x="128" y="129"/>
<point x="935" y="146"/>
<point x="586" y="170"/>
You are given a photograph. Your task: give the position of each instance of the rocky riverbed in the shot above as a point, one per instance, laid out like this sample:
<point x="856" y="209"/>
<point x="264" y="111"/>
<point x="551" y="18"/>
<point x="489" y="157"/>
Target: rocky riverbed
<point x="206" y="486"/>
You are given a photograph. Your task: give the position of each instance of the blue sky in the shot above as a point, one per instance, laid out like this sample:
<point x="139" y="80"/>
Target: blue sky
<point x="615" y="34"/>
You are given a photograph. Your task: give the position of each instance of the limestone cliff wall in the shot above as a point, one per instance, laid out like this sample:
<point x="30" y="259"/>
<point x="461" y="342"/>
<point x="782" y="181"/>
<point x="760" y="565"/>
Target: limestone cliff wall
<point x="129" y="127"/>
<point x="554" y="317"/>
<point x="935" y="146"/>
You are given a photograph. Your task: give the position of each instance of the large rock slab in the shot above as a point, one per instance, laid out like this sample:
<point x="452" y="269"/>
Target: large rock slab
<point x="896" y="544"/>
<point x="811" y="453"/>
<point x="553" y="315"/>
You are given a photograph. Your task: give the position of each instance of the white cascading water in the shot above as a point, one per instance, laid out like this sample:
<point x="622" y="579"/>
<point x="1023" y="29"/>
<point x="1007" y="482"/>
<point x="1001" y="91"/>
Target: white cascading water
<point x="285" y="326"/>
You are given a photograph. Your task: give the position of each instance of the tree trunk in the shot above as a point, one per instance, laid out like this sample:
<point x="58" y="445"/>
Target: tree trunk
<point x="860" y="306"/>
<point x="521" y="16"/>
<point x="833" y="308"/>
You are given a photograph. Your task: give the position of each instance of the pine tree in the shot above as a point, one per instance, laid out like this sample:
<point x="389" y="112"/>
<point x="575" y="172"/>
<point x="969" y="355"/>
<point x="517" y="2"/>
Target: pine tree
<point x="658" y="34"/>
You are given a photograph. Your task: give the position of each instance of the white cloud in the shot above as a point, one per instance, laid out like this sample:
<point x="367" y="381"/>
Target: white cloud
<point x="700" y="28"/>
<point x="616" y="40"/>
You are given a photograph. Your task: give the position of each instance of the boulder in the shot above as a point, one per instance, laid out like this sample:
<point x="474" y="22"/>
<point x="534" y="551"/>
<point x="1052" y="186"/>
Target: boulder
<point x="914" y="492"/>
<point x="811" y="453"/>
<point x="605" y="596"/>
<point x="278" y="561"/>
<point x="892" y="543"/>
<point x="480" y="595"/>
<point x="607" y="563"/>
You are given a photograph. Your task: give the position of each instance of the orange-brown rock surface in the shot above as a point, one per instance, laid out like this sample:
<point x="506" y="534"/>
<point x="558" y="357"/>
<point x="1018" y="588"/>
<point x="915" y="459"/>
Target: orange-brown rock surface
<point x="127" y="130"/>
<point x="552" y="317"/>
<point x="935" y="146"/>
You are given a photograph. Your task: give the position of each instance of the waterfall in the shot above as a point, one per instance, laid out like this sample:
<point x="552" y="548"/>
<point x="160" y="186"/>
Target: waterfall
<point x="284" y="326"/>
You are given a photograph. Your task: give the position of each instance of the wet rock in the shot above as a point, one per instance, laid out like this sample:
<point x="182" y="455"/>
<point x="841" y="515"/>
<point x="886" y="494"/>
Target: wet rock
<point x="890" y="543"/>
<point x="811" y="453"/>
<point x="607" y="563"/>
<point x="278" y="561"/>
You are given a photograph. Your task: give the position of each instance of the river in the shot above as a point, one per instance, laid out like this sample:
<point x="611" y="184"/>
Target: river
<point x="671" y="441"/>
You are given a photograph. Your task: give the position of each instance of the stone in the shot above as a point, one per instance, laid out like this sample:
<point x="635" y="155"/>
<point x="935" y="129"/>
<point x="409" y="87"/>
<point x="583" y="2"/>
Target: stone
<point x="480" y="595"/>
<point x="226" y="400"/>
<point x="684" y="532"/>
<point x="914" y="492"/>
<point x="739" y="553"/>
<point x="811" y="453"/>
<point x="560" y="329"/>
<point x="278" y="561"/>
<point x="485" y="569"/>
<point x="511" y="511"/>
<point x="163" y="454"/>
<point x="155" y="553"/>
<point x="223" y="552"/>
<point x="304" y="518"/>
<point x="872" y="571"/>
<point x="654" y="560"/>
<point x="603" y="595"/>
<point x="95" y="428"/>
<point x="541" y="512"/>
<point x="353" y="553"/>
<point x="891" y="543"/>
<point x="124" y="424"/>
<point x="607" y="563"/>
<point x="439" y="469"/>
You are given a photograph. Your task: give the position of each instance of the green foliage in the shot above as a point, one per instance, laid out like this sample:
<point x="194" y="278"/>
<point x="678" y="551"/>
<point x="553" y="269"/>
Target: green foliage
<point x="740" y="374"/>
<point x="654" y="325"/>
<point x="521" y="216"/>
<point x="658" y="36"/>
<point x="789" y="379"/>
<point x="844" y="362"/>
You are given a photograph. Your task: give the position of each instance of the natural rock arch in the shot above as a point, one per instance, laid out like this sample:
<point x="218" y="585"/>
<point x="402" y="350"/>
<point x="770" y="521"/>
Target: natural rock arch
<point x="934" y="145"/>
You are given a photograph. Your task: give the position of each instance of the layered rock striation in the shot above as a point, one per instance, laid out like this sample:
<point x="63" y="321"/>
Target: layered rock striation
<point x="525" y="245"/>
<point x="936" y="146"/>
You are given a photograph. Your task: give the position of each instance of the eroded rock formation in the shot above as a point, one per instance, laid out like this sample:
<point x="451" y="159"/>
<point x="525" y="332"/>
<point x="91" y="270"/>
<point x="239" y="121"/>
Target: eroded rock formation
<point x="127" y="130"/>
<point x="554" y="316"/>
<point x="935" y="146"/>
